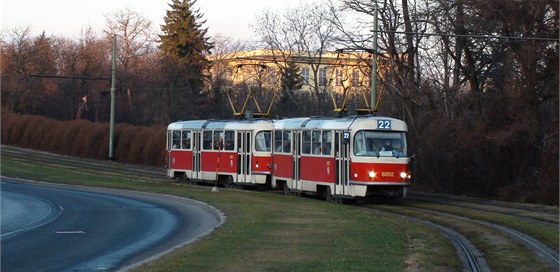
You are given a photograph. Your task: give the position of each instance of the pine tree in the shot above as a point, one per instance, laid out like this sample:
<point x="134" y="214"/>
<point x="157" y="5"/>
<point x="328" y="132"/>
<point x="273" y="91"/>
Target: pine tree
<point x="184" y="45"/>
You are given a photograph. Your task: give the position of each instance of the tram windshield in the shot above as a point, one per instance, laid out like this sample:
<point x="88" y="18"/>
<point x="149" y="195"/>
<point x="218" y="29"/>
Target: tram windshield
<point x="371" y="143"/>
<point x="263" y="141"/>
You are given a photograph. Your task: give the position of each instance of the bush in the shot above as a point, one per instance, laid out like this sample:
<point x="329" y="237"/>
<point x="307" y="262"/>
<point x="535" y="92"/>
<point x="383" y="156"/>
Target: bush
<point x="82" y="138"/>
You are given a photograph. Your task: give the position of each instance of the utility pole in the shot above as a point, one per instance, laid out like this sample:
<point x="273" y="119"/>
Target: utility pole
<point x="374" y="62"/>
<point x="113" y="87"/>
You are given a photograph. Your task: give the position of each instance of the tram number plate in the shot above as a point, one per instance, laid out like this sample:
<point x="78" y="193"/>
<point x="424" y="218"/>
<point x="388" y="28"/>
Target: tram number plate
<point x="346" y="137"/>
<point x="384" y="124"/>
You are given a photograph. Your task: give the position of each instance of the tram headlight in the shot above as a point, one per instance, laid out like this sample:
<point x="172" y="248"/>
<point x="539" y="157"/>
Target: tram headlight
<point x="405" y="175"/>
<point x="371" y="174"/>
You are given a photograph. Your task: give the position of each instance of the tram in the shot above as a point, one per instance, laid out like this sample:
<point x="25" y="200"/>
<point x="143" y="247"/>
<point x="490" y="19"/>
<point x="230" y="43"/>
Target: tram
<point x="341" y="157"/>
<point x="229" y="152"/>
<point x="335" y="157"/>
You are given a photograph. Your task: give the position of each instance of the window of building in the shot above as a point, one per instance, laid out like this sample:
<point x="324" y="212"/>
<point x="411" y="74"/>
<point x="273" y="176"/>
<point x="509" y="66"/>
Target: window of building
<point x="323" y="77"/>
<point x="338" y="77"/>
<point x="271" y="76"/>
<point x="305" y="75"/>
<point x="356" y="78"/>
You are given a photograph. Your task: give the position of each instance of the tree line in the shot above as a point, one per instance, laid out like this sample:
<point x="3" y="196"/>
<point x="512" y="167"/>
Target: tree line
<point x="476" y="81"/>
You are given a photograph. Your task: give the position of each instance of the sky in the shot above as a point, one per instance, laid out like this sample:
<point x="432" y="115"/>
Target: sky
<point x="68" y="18"/>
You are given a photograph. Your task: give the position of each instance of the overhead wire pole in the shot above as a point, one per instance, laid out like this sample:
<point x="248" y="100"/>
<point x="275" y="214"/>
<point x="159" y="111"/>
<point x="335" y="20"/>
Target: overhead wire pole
<point x="113" y="87"/>
<point x="374" y="62"/>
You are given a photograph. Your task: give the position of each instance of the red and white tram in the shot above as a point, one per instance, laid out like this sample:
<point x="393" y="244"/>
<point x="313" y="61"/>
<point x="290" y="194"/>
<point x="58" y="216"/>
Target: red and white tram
<point x="225" y="151"/>
<point x="346" y="157"/>
<point x="335" y="157"/>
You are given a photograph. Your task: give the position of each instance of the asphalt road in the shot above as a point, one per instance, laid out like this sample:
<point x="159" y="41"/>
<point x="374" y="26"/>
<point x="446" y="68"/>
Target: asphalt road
<point x="47" y="227"/>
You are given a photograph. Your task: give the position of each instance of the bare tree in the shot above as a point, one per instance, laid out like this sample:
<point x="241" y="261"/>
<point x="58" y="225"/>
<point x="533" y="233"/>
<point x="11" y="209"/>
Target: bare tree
<point x="135" y="39"/>
<point x="16" y="54"/>
<point x="301" y="34"/>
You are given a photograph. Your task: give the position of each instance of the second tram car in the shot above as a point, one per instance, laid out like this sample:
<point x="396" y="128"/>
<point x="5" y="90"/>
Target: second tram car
<point x="335" y="157"/>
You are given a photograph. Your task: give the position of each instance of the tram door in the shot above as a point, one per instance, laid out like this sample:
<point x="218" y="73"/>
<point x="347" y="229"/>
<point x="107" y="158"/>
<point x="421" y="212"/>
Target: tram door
<point x="169" y="159"/>
<point x="196" y="147"/>
<point x="342" y="164"/>
<point x="296" y="153"/>
<point x="244" y="156"/>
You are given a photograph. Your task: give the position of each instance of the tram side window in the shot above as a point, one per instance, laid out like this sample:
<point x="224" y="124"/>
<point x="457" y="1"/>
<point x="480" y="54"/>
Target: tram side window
<point x="278" y="141"/>
<point x="207" y="140"/>
<point x="306" y="143"/>
<point x="176" y="139"/>
<point x="287" y="141"/>
<point x="218" y="140"/>
<point x="186" y="140"/>
<point x="326" y="143"/>
<point x="229" y="140"/>
<point x="316" y="142"/>
<point x="263" y="141"/>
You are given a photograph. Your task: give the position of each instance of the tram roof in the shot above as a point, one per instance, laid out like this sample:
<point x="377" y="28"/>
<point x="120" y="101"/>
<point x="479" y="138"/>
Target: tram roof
<point x="337" y="123"/>
<point x="219" y="124"/>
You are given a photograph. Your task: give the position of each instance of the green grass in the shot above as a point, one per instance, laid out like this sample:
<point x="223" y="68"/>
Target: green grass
<point x="501" y="251"/>
<point x="547" y="234"/>
<point x="272" y="232"/>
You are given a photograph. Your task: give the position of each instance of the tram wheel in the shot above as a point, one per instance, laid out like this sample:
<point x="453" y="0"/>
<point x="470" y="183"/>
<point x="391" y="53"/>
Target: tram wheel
<point x="286" y="189"/>
<point x="328" y="195"/>
<point x="228" y="182"/>
<point x="183" y="178"/>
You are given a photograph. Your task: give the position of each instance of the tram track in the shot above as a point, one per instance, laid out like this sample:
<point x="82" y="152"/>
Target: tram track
<point x="453" y="226"/>
<point x="521" y="211"/>
<point x="469" y="255"/>
<point x="84" y="165"/>
<point x="535" y="245"/>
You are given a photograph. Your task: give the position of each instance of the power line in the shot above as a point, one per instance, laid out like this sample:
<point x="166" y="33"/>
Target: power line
<point x="72" y="77"/>
<point x="476" y="36"/>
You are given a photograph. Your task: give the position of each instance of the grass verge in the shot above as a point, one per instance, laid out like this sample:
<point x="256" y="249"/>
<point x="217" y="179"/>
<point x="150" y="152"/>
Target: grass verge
<point x="271" y="232"/>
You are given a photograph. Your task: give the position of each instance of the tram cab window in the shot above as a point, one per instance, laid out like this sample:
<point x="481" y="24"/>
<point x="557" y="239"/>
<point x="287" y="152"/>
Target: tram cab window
<point x="263" y="141"/>
<point x="380" y="144"/>
<point x="176" y="140"/>
<point x="229" y="140"/>
<point x="186" y="140"/>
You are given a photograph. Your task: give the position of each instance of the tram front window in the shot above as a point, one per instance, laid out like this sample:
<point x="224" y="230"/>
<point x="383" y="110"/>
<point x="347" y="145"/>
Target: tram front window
<point x="263" y="141"/>
<point x="370" y="143"/>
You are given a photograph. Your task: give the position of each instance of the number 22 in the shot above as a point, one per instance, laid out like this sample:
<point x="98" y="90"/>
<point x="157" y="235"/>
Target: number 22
<point x="383" y="124"/>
